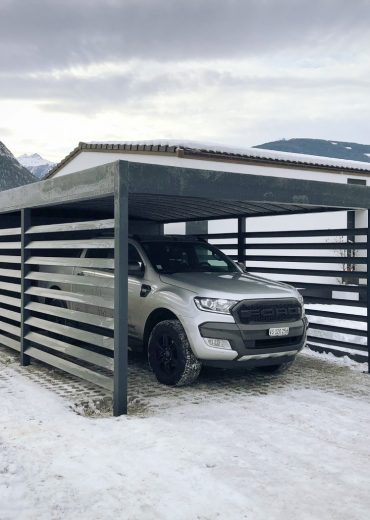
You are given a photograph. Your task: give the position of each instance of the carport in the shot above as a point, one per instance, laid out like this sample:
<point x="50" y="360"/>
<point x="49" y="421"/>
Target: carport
<point x="47" y="223"/>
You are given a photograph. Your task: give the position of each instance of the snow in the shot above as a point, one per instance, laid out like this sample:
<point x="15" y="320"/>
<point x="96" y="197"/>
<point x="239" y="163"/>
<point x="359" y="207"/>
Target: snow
<point x="270" y="448"/>
<point x="33" y="160"/>
<point x="244" y="151"/>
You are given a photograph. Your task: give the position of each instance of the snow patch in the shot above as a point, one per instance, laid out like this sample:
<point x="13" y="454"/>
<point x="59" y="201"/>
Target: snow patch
<point x="248" y="152"/>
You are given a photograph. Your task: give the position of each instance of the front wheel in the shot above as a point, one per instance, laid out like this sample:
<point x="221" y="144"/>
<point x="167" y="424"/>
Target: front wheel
<point x="170" y="355"/>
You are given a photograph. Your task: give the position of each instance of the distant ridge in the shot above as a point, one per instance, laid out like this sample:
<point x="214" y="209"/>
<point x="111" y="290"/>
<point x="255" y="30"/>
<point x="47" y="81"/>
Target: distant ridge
<point x="36" y="164"/>
<point x="12" y="174"/>
<point x="320" y="147"/>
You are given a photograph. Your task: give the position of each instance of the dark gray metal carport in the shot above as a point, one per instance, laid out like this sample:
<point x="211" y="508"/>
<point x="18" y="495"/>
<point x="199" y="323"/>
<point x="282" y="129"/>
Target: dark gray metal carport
<point x="64" y="214"/>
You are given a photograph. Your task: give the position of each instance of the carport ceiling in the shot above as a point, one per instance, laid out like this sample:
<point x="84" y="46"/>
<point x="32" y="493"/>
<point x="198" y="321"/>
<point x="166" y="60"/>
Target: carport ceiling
<point x="171" y="194"/>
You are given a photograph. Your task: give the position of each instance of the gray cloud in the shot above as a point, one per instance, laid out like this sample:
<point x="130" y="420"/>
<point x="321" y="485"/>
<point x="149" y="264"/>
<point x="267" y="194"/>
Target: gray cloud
<point x="94" y="94"/>
<point x="42" y="34"/>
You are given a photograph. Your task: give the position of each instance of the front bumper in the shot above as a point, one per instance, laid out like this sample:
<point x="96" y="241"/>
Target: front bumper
<point x="251" y="344"/>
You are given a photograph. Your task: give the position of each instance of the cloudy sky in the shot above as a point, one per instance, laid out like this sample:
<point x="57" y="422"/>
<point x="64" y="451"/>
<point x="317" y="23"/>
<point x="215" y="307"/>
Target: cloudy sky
<point x="239" y="72"/>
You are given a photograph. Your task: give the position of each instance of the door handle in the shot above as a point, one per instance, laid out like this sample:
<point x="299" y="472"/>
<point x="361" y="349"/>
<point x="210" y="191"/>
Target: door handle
<point x="145" y="290"/>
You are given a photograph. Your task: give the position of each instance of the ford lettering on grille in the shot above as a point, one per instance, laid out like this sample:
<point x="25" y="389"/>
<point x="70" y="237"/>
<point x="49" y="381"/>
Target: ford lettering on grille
<point x="269" y="313"/>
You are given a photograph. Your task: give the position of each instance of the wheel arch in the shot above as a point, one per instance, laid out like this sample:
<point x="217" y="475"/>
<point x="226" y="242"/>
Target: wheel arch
<point x="153" y="319"/>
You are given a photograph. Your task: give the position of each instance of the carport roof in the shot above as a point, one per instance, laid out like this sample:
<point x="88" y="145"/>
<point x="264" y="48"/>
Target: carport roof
<point x="169" y="194"/>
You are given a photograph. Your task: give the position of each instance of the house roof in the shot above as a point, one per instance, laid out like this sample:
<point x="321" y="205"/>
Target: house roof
<point x="212" y="151"/>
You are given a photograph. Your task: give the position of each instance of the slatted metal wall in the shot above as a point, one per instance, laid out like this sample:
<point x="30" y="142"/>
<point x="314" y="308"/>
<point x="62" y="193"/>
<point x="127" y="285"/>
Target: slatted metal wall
<point x="70" y="298"/>
<point x="10" y="280"/>
<point x="68" y="295"/>
<point x="330" y="269"/>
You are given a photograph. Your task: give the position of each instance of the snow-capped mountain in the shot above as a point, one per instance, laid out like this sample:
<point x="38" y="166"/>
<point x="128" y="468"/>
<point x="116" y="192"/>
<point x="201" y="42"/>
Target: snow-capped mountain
<point x="12" y="174"/>
<point x="36" y="164"/>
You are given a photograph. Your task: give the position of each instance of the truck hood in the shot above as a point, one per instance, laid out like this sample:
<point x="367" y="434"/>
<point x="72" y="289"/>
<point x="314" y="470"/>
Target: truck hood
<point x="232" y="286"/>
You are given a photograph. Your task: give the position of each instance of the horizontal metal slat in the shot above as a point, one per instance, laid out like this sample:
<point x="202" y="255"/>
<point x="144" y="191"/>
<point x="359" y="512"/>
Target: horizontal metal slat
<point x="12" y="287"/>
<point x="360" y="358"/>
<point x="69" y="314"/>
<point x="66" y="348"/>
<point x="92" y="281"/>
<point x="10" y="273"/>
<point x="9" y="300"/>
<point x="102" y="263"/>
<point x="71" y="368"/>
<point x="308" y="259"/>
<point x="10" y="245"/>
<point x="335" y="315"/>
<point x="10" y="259"/>
<point x="71" y="332"/>
<point x="11" y="315"/>
<point x="284" y="234"/>
<point x="327" y="286"/>
<point x="343" y="344"/>
<point x="332" y="301"/>
<point x="11" y="343"/>
<point x="306" y="272"/>
<point x="93" y="243"/>
<point x="10" y="231"/>
<point x="73" y="226"/>
<point x="96" y="301"/>
<point x="12" y="329"/>
<point x="316" y="245"/>
<point x="339" y="330"/>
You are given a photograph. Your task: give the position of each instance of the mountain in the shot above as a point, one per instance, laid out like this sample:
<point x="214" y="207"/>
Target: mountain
<point x="12" y="174"/>
<point x="320" y="147"/>
<point x="36" y="164"/>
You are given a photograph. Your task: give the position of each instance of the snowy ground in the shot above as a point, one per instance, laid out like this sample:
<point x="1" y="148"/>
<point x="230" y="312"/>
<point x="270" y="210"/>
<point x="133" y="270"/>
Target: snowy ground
<point x="235" y="446"/>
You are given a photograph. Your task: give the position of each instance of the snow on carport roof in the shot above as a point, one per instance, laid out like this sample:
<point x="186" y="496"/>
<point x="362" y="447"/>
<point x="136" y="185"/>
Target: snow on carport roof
<point x="196" y="149"/>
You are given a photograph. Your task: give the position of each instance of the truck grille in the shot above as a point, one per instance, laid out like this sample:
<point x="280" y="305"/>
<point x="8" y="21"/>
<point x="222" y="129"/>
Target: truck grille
<point x="268" y="311"/>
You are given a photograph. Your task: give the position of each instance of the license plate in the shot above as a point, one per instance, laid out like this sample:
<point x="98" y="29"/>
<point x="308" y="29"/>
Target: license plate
<point x="279" y="331"/>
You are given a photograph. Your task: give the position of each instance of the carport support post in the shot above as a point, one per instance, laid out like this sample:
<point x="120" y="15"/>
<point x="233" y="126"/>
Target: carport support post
<point x="120" y="294"/>
<point x="25" y="284"/>
<point x="241" y="239"/>
<point x="368" y="290"/>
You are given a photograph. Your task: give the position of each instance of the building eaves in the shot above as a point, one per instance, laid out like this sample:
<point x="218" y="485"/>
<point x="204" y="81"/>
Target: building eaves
<point x="196" y="150"/>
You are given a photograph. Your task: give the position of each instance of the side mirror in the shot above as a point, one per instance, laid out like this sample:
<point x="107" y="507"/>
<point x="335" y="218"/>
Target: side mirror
<point x="241" y="265"/>
<point x="135" y="269"/>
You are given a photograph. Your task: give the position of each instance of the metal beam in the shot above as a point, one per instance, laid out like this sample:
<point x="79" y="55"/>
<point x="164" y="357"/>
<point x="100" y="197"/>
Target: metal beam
<point x="241" y="239"/>
<point x="368" y="291"/>
<point x="25" y="285"/>
<point x="120" y="293"/>
<point x="226" y="186"/>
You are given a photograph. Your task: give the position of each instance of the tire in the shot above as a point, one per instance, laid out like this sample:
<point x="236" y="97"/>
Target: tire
<point x="170" y="355"/>
<point x="273" y="369"/>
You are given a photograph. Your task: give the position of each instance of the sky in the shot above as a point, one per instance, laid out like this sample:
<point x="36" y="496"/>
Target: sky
<point x="238" y="72"/>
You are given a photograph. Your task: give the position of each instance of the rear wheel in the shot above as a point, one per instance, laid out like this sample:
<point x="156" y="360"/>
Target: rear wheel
<point x="170" y="355"/>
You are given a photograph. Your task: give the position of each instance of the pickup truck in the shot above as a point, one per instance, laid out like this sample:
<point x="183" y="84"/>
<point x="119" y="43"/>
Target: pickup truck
<point x="191" y="305"/>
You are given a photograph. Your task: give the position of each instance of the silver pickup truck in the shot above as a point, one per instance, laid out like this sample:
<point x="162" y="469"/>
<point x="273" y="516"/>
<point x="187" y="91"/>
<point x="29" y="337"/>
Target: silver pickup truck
<point x="191" y="305"/>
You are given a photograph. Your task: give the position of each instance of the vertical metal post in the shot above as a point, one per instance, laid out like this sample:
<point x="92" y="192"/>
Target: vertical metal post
<point x="25" y="284"/>
<point x="120" y="293"/>
<point x="368" y="290"/>
<point x="241" y="239"/>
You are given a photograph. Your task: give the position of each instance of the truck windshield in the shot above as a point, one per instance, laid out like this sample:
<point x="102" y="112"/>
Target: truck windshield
<point x="187" y="257"/>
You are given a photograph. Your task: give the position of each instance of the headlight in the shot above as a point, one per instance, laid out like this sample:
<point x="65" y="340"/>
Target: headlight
<point x="300" y="298"/>
<point x="214" y="305"/>
<point x="301" y="301"/>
